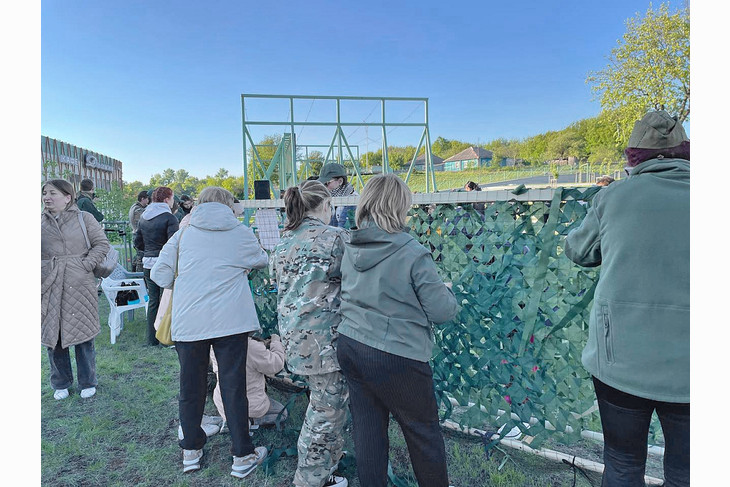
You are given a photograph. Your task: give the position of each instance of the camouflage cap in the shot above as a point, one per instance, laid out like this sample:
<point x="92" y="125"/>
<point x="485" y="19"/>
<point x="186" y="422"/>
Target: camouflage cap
<point x="657" y="130"/>
<point x="332" y="170"/>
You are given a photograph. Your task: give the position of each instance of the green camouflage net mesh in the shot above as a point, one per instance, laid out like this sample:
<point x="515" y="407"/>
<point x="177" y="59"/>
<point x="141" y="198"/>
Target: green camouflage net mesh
<point x="515" y="346"/>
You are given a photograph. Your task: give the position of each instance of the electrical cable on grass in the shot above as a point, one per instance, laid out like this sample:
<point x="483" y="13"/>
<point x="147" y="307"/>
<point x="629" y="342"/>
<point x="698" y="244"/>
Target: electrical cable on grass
<point x="577" y="469"/>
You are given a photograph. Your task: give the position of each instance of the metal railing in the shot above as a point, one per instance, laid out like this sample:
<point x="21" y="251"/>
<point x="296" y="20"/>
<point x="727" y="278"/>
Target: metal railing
<point x="120" y="236"/>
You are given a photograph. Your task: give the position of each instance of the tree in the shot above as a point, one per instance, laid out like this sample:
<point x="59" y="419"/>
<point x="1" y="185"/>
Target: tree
<point x="400" y="157"/>
<point x="310" y="164"/>
<point x="649" y="69"/>
<point x="266" y="149"/>
<point x="165" y="179"/>
<point x="446" y="148"/>
<point x="599" y="139"/>
<point x="534" y="149"/>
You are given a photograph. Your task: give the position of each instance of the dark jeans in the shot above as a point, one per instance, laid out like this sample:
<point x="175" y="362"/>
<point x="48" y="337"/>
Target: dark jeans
<point x="61" y="374"/>
<point x="381" y="383"/>
<point x="155" y="292"/>
<point x="625" y="420"/>
<point x="230" y="352"/>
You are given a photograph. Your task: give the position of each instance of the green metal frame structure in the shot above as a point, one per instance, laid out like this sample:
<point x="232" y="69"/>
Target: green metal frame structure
<point x="285" y="157"/>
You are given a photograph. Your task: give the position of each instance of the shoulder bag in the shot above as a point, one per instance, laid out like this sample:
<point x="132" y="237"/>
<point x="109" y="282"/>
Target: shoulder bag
<point x="164" y="332"/>
<point x="111" y="259"/>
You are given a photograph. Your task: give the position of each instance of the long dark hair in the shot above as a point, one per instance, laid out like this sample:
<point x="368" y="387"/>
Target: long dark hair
<point x="302" y="199"/>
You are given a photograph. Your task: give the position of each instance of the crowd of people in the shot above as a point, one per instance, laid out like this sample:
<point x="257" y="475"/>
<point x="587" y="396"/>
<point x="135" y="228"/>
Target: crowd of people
<point x="357" y="304"/>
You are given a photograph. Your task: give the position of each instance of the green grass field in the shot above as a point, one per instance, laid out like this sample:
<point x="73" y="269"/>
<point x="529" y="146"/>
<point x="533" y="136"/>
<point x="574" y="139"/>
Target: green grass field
<point x="127" y="433"/>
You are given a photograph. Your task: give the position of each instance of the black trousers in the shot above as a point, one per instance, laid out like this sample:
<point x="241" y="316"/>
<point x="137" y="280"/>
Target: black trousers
<point x="230" y="352"/>
<point x="155" y="293"/>
<point x="625" y="419"/>
<point x="381" y="384"/>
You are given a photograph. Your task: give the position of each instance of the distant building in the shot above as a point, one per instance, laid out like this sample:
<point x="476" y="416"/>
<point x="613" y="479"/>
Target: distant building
<point x="470" y="158"/>
<point x="420" y="163"/>
<point x="509" y="162"/>
<point x="63" y="160"/>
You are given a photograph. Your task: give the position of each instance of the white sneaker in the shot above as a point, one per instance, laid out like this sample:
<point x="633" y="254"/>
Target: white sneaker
<point x="60" y="394"/>
<point x="209" y="428"/>
<point x="191" y="460"/>
<point x="336" y="481"/>
<point x="243" y="466"/>
<point x="212" y="420"/>
<point x="88" y="392"/>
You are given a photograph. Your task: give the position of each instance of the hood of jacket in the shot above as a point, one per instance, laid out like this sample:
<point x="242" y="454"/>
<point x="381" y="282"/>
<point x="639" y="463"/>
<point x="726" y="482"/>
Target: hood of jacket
<point x="370" y="245"/>
<point x="668" y="168"/>
<point x="155" y="209"/>
<point x="214" y="216"/>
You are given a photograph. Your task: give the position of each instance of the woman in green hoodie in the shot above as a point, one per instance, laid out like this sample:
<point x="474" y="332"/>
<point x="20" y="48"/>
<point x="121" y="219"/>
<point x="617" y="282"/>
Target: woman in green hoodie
<point x="391" y="296"/>
<point x="637" y="230"/>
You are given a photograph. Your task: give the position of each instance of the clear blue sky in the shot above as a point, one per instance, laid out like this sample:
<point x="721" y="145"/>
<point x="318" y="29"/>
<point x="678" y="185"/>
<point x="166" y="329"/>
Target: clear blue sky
<point x="157" y="84"/>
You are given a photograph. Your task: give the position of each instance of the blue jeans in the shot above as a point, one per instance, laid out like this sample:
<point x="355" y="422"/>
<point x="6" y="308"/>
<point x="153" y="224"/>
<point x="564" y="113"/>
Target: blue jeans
<point x="230" y="352"/>
<point x="155" y="293"/>
<point x="61" y="374"/>
<point x="381" y="384"/>
<point x="625" y="419"/>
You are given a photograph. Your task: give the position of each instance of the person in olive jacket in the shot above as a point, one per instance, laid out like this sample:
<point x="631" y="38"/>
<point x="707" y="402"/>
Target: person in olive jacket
<point x="69" y="300"/>
<point x="85" y="200"/>
<point x="391" y="296"/>
<point x="637" y="230"/>
<point x="156" y="225"/>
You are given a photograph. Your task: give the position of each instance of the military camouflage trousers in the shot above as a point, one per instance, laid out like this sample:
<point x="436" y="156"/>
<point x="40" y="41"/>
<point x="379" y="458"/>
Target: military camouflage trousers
<point x="322" y="435"/>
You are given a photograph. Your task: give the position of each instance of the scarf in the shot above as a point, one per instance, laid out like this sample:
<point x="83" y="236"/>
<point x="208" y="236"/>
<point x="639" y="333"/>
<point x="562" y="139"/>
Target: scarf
<point x="344" y="190"/>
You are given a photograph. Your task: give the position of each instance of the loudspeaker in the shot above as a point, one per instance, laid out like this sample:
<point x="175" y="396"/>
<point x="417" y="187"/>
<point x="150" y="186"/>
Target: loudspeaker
<point x="262" y="189"/>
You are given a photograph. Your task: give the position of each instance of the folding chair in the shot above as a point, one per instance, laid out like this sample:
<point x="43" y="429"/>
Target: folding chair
<point x="111" y="286"/>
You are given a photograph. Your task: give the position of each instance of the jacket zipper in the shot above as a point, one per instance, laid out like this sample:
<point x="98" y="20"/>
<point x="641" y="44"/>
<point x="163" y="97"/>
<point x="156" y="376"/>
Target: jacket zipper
<point x="607" y="336"/>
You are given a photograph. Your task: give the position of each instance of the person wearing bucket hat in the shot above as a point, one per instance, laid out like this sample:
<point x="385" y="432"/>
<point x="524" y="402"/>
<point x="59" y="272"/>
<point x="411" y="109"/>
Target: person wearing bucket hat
<point x="334" y="177"/>
<point x="637" y="351"/>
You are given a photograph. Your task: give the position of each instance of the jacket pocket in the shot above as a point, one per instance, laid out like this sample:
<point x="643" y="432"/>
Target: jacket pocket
<point x="607" y="335"/>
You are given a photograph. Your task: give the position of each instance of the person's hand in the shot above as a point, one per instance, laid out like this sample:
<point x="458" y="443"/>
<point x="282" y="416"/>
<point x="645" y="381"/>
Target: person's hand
<point x="448" y="284"/>
<point x="274" y="336"/>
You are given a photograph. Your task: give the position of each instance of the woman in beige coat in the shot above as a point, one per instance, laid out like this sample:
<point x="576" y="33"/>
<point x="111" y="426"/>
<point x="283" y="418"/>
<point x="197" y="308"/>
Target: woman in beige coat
<point x="262" y="360"/>
<point x="69" y="298"/>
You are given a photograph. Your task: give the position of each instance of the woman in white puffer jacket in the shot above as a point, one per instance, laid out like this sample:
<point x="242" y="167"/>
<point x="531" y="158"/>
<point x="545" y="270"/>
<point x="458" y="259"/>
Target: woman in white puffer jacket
<point x="213" y="307"/>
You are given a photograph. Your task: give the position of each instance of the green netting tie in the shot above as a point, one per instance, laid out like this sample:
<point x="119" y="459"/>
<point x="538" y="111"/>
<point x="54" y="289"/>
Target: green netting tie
<point x="549" y="239"/>
<point x="521" y="189"/>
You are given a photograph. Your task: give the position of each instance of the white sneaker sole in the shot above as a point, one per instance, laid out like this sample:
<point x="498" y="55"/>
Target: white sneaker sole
<point x="192" y="465"/>
<point x="245" y="471"/>
<point x="243" y="474"/>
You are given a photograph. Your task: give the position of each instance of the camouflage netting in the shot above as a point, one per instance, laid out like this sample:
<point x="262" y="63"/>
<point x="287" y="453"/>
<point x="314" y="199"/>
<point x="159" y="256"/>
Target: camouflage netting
<point x="515" y="346"/>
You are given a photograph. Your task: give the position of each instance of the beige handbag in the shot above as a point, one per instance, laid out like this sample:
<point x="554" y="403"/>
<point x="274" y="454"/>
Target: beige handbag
<point x="164" y="331"/>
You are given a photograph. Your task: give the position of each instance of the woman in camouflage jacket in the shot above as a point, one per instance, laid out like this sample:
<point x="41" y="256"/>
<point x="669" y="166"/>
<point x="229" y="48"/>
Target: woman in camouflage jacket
<point x="306" y="267"/>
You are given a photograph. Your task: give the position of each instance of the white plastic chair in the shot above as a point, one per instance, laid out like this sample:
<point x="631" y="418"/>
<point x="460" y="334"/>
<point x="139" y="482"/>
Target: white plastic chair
<point x="111" y="286"/>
